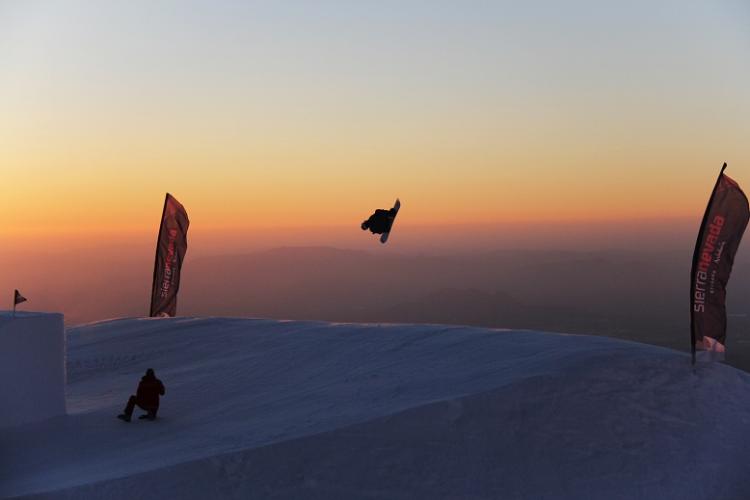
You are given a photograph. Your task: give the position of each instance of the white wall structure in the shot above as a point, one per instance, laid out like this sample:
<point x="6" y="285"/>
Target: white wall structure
<point x="32" y="367"/>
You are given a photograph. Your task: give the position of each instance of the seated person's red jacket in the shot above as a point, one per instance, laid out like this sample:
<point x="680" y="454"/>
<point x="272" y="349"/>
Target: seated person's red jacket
<point x="149" y="390"/>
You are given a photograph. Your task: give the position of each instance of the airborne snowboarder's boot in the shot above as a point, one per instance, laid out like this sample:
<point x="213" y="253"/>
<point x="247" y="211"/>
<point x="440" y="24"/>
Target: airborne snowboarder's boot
<point x="123" y="416"/>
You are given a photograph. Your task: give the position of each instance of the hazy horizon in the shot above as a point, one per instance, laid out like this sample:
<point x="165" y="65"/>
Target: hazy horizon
<point x="658" y="232"/>
<point x="626" y="279"/>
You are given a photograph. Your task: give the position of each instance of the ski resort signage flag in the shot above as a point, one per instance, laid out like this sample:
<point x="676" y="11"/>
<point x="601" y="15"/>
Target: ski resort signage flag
<point x="718" y="239"/>
<point x="171" y="246"/>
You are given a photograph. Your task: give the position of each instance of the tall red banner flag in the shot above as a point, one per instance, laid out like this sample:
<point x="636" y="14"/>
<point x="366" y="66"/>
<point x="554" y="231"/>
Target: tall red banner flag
<point x="171" y="246"/>
<point x="723" y="224"/>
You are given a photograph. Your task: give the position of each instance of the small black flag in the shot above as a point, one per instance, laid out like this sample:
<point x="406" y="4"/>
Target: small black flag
<point x="18" y="298"/>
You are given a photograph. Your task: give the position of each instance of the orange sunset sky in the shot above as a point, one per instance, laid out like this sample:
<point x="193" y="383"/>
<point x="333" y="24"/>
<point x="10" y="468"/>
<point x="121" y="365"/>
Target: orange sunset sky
<point x="273" y="116"/>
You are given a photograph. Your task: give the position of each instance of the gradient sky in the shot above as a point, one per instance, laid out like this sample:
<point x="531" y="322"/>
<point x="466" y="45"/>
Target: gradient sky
<point x="268" y="115"/>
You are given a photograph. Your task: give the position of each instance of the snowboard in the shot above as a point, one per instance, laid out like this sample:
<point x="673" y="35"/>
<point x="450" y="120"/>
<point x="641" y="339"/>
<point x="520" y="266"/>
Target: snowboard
<point x="396" y="207"/>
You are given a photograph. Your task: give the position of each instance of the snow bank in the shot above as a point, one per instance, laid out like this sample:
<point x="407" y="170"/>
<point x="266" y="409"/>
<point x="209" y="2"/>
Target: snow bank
<point x="32" y="367"/>
<point x="273" y="409"/>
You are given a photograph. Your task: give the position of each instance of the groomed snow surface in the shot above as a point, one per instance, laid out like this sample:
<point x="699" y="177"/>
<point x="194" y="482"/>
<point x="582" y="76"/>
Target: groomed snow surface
<point x="32" y="367"/>
<point x="310" y="410"/>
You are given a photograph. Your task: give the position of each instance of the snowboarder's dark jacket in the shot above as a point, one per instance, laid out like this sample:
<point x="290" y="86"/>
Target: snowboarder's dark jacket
<point x="149" y="390"/>
<point x="379" y="222"/>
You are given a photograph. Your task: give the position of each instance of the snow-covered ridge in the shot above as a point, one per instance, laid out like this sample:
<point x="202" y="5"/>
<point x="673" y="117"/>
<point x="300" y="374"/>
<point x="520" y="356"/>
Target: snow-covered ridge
<point x="286" y="409"/>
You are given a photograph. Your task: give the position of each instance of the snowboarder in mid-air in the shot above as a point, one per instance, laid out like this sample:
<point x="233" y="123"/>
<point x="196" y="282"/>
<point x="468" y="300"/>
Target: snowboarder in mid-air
<point x="146" y="397"/>
<point x="381" y="221"/>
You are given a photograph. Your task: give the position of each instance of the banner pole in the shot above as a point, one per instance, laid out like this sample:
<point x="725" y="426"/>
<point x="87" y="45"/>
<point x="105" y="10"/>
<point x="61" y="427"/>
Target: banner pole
<point x="696" y="254"/>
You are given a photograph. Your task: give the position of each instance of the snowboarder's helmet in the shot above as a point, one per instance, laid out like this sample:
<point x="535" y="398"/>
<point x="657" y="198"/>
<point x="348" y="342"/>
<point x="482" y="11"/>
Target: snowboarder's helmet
<point x="365" y="225"/>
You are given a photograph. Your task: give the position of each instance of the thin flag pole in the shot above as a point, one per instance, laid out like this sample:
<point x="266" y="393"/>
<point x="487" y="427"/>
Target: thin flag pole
<point x="156" y="257"/>
<point x="696" y="255"/>
<point x="14" y="305"/>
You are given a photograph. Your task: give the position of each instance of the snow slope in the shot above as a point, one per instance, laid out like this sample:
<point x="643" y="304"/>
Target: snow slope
<point x="32" y="367"/>
<point x="274" y="409"/>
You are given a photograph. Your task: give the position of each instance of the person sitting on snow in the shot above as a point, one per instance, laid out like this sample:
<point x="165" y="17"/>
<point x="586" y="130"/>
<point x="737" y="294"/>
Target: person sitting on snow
<point x="146" y="397"/>
<point x="380" y="222"/>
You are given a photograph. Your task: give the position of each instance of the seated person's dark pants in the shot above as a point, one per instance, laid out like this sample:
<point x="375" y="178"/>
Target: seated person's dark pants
<point x="131" y="406"/>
